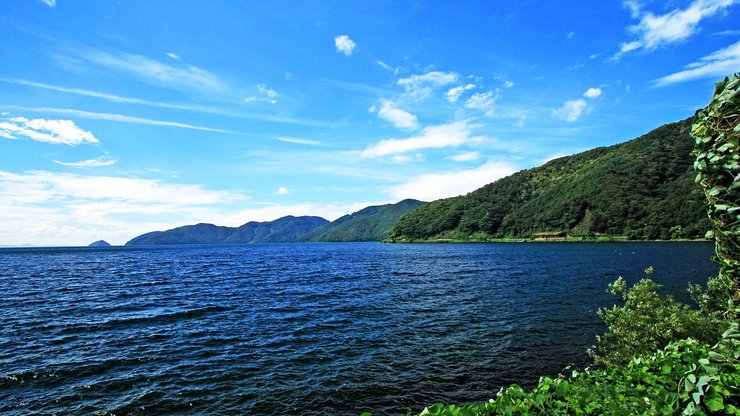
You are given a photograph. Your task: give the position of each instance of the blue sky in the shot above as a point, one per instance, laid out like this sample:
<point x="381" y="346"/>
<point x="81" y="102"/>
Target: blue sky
<point x="122" y="117"/>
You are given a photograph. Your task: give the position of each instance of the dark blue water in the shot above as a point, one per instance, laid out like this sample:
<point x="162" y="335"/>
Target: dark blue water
<point x="304" y="328"/>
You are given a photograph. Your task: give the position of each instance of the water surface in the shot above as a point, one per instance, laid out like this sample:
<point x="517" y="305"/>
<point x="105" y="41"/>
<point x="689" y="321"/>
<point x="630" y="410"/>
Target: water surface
<point x="305" y="328"/>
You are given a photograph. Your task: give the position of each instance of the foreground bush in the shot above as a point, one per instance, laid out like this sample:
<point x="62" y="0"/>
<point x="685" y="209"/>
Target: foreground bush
<point x="648" y="321"/>
<point x="686" y="377"/>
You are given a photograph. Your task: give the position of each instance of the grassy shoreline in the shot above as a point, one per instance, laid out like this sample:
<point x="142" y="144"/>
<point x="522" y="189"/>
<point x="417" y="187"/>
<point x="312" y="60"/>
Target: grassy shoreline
<point x="601" y="239"/>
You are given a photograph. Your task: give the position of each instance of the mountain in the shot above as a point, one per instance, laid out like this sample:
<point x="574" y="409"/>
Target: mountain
<point x="641" y="189"/>
<point x="99" y="243"/>
<point x="368" y="224"/>
<point x="284" y="229"/>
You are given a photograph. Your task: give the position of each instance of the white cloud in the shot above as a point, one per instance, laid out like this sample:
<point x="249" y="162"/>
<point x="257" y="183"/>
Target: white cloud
<point x="47" y="208"/>
<point x="653" y="31"/>
<point x="481" y="100"/>
<point x="344" y="45"/>
<point x="419" y="87"/>
<point x="48" y="131"/>
<point x="508" y="84"/>
<point x="50" y="3"/>
<point x="465" y="157"/>
<point x="399" y="118"/>
<point x="445" y="135"/>
<point x="282" y="191"/>
<point x="173" y="56"/>
<point x="720" y="63"/>
<point x="183" y="77"/>
<point x="454" y="93"/>
<point x="90" y="163"/>
<point x="592" y="93"/>
<point x="433" y="186"/>
<point x="263" y="94"/>
<point x="571" y="111"/>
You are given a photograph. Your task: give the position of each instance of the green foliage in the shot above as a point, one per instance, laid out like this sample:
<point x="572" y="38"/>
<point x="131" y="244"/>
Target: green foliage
<point x="648" y="321"/>
<point x="717" y="132"/>
<point x="686" y="377"/>
<point x="643" y="189"/>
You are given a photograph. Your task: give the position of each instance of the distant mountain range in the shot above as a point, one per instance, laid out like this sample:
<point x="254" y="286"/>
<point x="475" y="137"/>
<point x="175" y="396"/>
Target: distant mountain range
<point x="640" y="189"/>
<point x="369" y="224"/>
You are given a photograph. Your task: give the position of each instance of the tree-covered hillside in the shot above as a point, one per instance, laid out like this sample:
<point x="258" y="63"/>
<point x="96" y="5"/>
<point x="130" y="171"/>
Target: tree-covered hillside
<point x="642" y="189"/>
<point x="368" y="224"/>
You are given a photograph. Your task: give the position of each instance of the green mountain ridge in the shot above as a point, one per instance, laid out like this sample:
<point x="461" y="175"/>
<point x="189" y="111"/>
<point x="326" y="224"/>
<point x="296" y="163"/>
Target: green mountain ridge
<point x="285" y="229"/>
<point x="640" y="189"/>
<point x="372" y="223"/>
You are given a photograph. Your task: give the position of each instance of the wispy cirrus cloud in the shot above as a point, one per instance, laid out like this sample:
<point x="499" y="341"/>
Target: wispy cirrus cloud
<point x="50" y="3"/>
<point x="183" y="76"/>
<point x="187" y="107"/>
<point x="90" y="163"/>
<point x="445" y="135"/>
<point x="296" y="140"/>
<point x="653" y="31"/>
<point x="718" y="64"/>
<point x="44" y="130"/>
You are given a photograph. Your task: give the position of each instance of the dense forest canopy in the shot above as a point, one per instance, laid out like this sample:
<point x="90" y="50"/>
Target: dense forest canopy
<point x="641" y="189"/>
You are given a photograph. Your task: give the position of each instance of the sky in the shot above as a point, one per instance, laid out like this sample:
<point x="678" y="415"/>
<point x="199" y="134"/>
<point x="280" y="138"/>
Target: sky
<point x="123" y="117"/>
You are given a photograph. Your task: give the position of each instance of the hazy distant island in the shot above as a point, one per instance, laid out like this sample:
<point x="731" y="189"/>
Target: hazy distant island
<point x="368" y="224"/>
<point x="99" y="244"/>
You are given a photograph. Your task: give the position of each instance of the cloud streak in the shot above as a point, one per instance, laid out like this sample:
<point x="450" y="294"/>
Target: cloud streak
<point x="183" y="77"/>
<point x="720" y="63"/>
<point x="445" y="135"/>
<point x="121" y="118"/>
<point x="90" y="163"/>
<point x="47" y="131"/>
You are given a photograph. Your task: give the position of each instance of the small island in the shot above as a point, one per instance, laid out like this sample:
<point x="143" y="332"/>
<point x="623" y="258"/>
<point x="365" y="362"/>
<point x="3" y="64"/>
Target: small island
<point x="99" y="244"/>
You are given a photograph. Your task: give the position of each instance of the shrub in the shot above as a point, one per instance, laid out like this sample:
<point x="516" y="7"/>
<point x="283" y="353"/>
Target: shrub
<point x="648" y="321"/>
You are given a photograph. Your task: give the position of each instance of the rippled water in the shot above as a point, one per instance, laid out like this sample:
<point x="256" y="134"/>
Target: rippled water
<point x="304" y="328"/>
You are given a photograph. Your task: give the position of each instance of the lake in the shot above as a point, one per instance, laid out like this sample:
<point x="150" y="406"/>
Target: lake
<point x="335" y="328"/>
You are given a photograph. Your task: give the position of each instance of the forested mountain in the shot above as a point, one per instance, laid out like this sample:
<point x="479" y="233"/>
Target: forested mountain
<point x="368" y="224"/>
<point x="284" y="229"/>
<point x="641" y="189"/>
